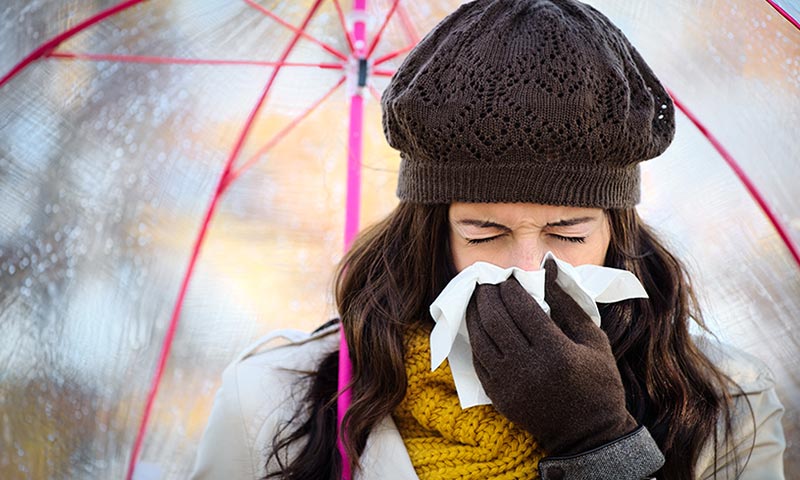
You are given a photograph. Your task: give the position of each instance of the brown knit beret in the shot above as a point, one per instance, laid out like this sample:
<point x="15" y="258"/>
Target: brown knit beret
<point x="540" y="101"/>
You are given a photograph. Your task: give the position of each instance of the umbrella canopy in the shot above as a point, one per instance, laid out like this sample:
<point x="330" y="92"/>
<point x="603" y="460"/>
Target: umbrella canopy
<point x="114" y="140"/>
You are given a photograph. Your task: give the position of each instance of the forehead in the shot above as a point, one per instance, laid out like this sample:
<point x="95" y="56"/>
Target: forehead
<point x="517" y="212"/>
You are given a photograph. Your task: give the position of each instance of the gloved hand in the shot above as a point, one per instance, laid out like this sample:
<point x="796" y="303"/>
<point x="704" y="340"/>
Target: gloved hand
<point x="555" y="376"/>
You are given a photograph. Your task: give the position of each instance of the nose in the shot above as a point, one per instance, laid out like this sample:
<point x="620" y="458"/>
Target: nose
<point x="527" y="254"/>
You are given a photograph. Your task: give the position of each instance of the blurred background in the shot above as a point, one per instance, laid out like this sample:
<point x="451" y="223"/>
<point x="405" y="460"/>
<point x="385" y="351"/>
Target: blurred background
<point x="108" y="165"/>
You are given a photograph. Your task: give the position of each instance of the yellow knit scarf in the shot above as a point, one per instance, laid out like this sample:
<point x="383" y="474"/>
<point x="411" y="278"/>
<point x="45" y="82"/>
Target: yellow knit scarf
<point x="446" y="442"/>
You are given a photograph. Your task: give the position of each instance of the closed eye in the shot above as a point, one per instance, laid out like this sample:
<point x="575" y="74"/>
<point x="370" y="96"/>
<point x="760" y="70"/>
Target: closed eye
<point x="476" y="241"/>
<point x="569" y="239"/>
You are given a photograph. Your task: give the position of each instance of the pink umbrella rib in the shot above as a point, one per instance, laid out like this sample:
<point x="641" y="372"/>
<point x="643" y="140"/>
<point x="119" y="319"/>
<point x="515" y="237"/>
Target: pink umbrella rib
<point x="328" y="48"/>
<point x="223" y="183"/>
<point x="54" y="42"/>
<point x="377" y="37"/>
<point x="748" y="183"/>
<point x="285" y="131"/>
<point x="343" y="22"/>
<point x="785" y="14"/>
<point x="99" y="57"/>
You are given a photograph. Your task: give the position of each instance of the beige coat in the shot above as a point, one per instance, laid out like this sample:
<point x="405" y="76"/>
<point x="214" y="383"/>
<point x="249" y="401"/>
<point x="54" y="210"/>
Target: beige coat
<point x="256" y="397"/>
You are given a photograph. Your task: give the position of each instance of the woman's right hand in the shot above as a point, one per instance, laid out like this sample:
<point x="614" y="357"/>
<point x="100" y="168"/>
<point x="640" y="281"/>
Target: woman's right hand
<point x="554" y="376"/>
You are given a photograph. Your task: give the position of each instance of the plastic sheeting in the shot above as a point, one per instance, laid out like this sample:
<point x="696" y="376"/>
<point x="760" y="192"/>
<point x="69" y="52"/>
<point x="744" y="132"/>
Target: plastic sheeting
<point x="107" y="168"/>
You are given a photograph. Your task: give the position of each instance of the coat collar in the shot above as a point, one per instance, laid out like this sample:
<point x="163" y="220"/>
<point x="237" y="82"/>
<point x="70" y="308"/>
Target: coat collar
<point x="385" y="456"/>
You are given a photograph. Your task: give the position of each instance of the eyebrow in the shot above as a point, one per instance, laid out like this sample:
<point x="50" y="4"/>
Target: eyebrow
<point x="481" y="224"/>
<point x="567" y="222"/>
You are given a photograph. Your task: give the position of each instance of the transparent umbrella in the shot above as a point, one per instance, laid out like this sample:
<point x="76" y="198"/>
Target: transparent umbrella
<point x="139" y="139"/>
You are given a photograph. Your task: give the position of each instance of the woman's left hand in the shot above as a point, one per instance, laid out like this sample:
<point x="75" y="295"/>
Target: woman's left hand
<point x="554" y="376"/>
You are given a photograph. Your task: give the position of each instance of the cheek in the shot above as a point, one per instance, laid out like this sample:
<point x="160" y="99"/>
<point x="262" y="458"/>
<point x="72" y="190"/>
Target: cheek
<point x="458" y="257"/>
<point x="593" y="252"/>
<point x="461" y="255"/>
<point x="590" y="253"/>
<point x="455" y="251"/>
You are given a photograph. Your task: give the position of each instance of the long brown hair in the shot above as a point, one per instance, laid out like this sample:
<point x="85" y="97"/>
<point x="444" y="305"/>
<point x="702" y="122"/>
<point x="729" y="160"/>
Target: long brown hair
<point x="395" y="270"/>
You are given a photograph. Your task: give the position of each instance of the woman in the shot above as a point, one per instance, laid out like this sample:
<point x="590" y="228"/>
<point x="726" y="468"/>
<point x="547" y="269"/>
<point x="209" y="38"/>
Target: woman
<point x="521" y="124"/>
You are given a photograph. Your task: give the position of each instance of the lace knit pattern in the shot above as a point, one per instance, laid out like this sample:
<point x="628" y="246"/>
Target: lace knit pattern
<point x="446" y="442"/>
<point x="541" y="101"/>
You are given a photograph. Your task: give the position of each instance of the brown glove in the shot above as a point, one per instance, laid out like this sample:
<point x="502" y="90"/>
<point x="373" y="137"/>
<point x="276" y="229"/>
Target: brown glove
<point x="556" y="378"/>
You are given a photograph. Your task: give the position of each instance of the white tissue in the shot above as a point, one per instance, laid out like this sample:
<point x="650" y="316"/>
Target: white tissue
<point x="586" y="284"/>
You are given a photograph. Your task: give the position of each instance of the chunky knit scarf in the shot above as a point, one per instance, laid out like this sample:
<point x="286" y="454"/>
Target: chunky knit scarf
<point x="446" y="442"/>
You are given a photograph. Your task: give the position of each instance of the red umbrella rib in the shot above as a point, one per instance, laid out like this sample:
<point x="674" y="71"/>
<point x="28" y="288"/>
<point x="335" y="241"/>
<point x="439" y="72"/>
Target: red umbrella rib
<point x="343" y="22"/>
<point x="744" y="178"/>
<point x="377" y="37"/>
<point x="785" y="14"/>
<point x="54" y="42"/>
<point x="222" y="185"/>
<point x="392" y="55"/>
<point x="285" y="131"/>
<point x="328" y="48"/>
<point x="408" y="25"/>
<point x="99" y="57"/>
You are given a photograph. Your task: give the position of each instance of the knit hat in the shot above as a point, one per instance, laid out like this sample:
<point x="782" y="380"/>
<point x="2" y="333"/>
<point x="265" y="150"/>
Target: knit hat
<point x="541" y="101"/>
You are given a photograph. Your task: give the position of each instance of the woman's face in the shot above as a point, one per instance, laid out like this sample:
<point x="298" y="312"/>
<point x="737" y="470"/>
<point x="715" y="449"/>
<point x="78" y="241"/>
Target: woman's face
<point x="519" y="234"/>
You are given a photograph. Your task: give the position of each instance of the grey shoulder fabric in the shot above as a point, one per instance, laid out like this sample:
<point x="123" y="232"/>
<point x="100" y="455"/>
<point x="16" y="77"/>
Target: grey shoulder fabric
<point x="748" y="371"/>
<point x="634" y="456"/>
<point x="757" y="444"/>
